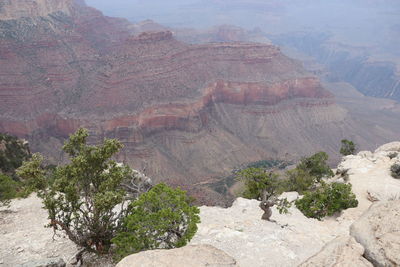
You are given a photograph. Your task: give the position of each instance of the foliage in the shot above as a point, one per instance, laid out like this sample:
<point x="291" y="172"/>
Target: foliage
<point x="265" y="186"/>
<point x="348" y="147"/>
<point x="12" y="153"/>
<point x="327" y="200"/>
<point x="161" y="218"/>
<point x="88" y="199"/>
<point x="268" y="164"/>
<point x="316" y="166"/>
<point x="82" y="201"/>
<point x="8" y="189"/>
<point x="32" y="174"/>
<point x="283" y="205"/>
<point x="395" y="170"/>
<point x="298" y="180"/>
<point x="257" y="181"/>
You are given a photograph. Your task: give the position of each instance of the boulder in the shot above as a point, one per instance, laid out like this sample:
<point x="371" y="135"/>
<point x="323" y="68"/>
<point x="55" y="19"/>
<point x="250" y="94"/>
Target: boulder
<point x="195" y="256"/>
<point x="342" y="251"/>
<point x="378" y="231"/>
<point x="393" y="146"/>
<point x="290" y="196"/>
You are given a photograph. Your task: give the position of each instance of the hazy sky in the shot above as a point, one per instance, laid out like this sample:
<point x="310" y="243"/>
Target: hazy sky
<point x="355" y="21"/>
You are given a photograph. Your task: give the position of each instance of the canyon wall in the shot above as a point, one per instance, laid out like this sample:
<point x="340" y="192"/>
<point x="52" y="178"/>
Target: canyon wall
<point x="185" y="113"/>
<point x="15" y="9"/>
<point x="353" y="64"/>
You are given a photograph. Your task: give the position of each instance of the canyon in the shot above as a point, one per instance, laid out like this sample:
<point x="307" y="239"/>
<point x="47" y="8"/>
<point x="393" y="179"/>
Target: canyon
<point x="186" y="113"/>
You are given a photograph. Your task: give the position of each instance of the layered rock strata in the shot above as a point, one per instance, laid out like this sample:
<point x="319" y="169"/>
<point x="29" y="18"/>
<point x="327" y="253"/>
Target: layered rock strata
<point x="64" y="65"/>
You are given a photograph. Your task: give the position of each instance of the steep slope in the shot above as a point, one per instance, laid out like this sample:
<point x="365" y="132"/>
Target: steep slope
<point x="186" y="113"/>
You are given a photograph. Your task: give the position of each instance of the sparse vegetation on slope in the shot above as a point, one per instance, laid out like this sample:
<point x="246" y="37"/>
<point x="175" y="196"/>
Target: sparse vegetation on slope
<point x="8" y="189"/>
<point x="13" y="152"/>
<point x="326" y="200"/>
<point x="320" y="199"/>
<point x="87" y="200"/>
<point x="348" y="147"/>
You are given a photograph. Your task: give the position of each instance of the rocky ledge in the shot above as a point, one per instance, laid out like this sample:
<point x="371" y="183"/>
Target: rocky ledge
<point x="362" y="236"/>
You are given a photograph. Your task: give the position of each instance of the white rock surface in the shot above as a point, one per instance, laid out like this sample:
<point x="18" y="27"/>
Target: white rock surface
<point x="343" y="251"/>
<point x="378" y="230"/>
<point x="193" y="256"/>
<point x="241" y="233"/>
<point x="294" y="238"/>
<point x="24" y="237"/>
<point x="238" y="230"/>
<point x="390" y="147"/>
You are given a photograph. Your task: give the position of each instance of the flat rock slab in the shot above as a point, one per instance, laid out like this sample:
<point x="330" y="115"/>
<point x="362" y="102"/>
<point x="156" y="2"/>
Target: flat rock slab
<point x="194" y="256"/>
<point x="26" y="240"/>
<point x="378" y="231"/>
<point x="342" y="251"/>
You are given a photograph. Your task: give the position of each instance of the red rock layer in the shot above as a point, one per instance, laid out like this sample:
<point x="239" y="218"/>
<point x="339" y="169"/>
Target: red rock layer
<point x="178" y="116"/>
<point x="187" y="110"/>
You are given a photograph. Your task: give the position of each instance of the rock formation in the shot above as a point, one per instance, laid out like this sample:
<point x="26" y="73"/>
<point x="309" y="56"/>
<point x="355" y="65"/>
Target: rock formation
<point x="378" y="231"/>
<point x="342" y="251"/>
<point x="239" y="232"/>
<point x="16" y="9"/>
<point x="196" y="256"/>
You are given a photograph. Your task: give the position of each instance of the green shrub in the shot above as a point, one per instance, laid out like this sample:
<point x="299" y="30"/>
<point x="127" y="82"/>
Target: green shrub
<point x="327" y="200"/>
<point x="395" y="170"/>
<point x="348" y="147"/>
<point x="298" y="180"/>
<point x="13" y="152"/>
<point x="8" y="189"/>
<point x="316" y="165"/>
<point x="161" y="218"/>
<point x="32" y="175"/>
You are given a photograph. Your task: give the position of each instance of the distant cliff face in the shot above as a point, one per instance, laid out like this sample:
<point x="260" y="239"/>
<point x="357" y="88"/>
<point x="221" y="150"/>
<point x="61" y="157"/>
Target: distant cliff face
<point x="185" y="113"/>
<point x="16" y="9"/>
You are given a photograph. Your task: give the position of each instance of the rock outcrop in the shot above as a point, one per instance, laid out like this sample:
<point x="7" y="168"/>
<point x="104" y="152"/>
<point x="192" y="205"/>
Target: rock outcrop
<point x="16" y="9"/>
<point x="294" y="238"/>
<point x="342" y="251"/>
<point x="239" y="232"/>
<point x="378" y="231"/>
<point x="196" y="256"/>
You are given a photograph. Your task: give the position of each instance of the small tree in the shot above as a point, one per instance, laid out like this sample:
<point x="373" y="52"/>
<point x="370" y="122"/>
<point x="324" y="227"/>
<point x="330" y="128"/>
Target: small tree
<point x="85" y="199"/>
<point x="89" y="200"/>
<point x="327" y="200"/>
<point x="161" y="218"/>
<point x="395" y="170"/>
<point x="348" y="147"/>
<point x="264" y="186"/>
